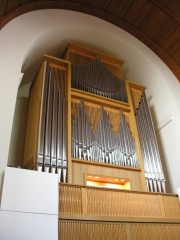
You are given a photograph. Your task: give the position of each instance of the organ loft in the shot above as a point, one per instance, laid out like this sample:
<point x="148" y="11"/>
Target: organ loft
<point x="94" y="130"/>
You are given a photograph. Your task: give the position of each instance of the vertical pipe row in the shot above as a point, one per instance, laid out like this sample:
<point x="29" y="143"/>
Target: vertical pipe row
<point x="95" y="77"/>
<point x="102" y="145"/>
<point x="52" y="149"/>
<point x="152" y="162"/>
<point x="42" y="120"/>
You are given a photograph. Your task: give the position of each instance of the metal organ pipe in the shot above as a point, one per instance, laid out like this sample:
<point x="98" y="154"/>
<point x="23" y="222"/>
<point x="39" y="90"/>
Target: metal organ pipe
<point x="144" y="146"/>
<point x="105" y="145"/>
<point x="52" y="149"/>
<point x="54" y="127"/>
<point x="152" y="162"/>
<point x="96" y="78"/>
<point x="42" y="121"/>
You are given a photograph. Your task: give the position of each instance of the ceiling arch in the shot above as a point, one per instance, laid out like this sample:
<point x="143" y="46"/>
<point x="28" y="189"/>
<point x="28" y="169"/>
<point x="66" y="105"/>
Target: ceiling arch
<point x="155" y="23"/>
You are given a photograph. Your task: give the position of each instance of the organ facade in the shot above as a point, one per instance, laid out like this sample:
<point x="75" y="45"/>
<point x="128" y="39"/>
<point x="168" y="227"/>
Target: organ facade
<point x="94" y="129"/>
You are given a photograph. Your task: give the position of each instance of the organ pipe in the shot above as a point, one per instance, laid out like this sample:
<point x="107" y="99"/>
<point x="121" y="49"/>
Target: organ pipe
<point x="52" y="150"/>
<point x="95" y="77"/>
<point x="102" y="145"/>
<point x="152" y="162"/>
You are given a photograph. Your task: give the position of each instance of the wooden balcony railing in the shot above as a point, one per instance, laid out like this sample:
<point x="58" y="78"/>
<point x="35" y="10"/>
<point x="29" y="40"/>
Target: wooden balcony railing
<point x="81" y="202"/>
<point x="87" y="230"/>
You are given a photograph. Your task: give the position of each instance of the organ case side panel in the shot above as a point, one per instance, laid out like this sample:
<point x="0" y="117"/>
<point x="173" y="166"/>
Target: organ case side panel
<point x="135" y="132"/>
<point x="92" y="80"/>
<point x="47" y="125"/>
<point x="31" y="139"/>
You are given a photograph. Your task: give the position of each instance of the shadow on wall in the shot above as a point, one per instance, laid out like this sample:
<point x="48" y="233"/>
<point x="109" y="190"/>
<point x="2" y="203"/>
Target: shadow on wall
<point x="161" y="152"/>
<point x="16" y="149"/>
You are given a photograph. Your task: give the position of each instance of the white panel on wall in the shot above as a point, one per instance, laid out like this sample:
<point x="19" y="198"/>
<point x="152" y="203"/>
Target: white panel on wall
<point x="30" y="191"/>
<point x="28" y="226"/>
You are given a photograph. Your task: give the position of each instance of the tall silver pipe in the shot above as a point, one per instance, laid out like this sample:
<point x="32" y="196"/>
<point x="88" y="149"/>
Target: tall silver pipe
<point x="157" y="161"/>
<point x="52" y="149"/>
<point x="43" y="113"/>
<point x="144" y="146"/>
<point x="102" y="145"/>
<point x="151" y="157"/>
<point x="54" y="130"/>
<point x="64" y="148"/>
<point x="96" y="78"/>
<point x="48" y="130"/>
<point x="150" y="145"/>
<point x="59" y="135"/>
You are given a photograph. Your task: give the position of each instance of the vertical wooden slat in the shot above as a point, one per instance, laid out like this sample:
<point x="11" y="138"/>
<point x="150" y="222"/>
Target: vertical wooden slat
<point x="84" y="201"/>
<point x="73" y="230"/>
<point x="112" y="203"/>
<point x="13" y="5"/>
<point x="128" y="231"/>
<point x="153" y="231"/>
<point x="136" y="136"/>
<point x="3" y="7"/>
<point x="68" y="92"/>
<point x="171" y="206"/>
<point x="32" y="128"/>
<point x="23" y="2"/>
<point x="161" y="206"/>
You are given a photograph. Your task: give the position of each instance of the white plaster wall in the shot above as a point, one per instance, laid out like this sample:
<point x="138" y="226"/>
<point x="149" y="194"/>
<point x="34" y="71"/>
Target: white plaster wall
<point x="26" y="38"/>
<point x="16" y="148"/>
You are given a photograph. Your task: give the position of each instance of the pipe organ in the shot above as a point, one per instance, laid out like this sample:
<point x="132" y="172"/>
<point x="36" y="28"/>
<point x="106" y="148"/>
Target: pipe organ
<point x="92" y="128"/>
<point x="85" y="119"/>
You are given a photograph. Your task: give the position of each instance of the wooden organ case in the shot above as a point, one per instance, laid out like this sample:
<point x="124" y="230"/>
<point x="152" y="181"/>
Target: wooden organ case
<point x="87" y="124"/>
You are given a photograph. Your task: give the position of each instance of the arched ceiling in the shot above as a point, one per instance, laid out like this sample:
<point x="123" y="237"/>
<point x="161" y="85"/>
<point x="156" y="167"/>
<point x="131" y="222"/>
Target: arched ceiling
<point x="154" y="22"/>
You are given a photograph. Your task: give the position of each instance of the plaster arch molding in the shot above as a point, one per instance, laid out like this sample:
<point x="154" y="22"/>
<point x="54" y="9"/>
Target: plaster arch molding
<point x="26" y="38"/>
